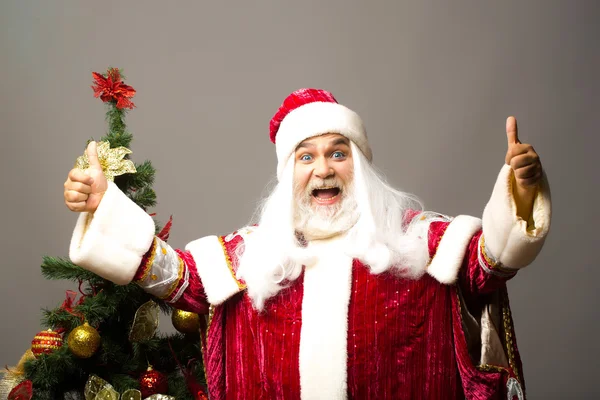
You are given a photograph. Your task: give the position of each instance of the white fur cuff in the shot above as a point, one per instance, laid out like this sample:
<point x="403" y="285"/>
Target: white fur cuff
<point x="112" y="241"/>
<point x="507" y="238"/>
<point x="451" y="251"/>
<point x="214" y="268"/>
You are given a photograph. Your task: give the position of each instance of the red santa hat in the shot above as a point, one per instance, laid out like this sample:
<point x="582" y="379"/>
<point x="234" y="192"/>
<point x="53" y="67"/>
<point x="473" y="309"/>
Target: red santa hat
<point x="311" y="112"/>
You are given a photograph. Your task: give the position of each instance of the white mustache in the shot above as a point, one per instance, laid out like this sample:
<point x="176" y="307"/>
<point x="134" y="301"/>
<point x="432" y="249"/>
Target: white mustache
<point x="324" y="184"/>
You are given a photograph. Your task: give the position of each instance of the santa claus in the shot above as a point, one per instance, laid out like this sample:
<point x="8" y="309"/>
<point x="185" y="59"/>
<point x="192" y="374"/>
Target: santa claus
<point x="343" y="288"/>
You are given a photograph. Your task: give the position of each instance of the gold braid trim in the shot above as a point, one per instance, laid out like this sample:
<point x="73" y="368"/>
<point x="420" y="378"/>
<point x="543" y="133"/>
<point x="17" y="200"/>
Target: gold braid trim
<point x="493" y="264"/>
<point x="176" y="282"/>
<point x="211" y="308"/>
<point x="211" y="313"/>
<point x="509" y="344"/>
<point x="240" y="285"/>
<point x="491" y="368"/>
<point x="148" y="265"/>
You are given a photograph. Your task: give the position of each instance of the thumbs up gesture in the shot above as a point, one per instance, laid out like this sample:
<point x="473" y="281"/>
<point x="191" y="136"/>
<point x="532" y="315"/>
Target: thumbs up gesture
<point x="522" y="158"/>
<point x="84" y="189"/>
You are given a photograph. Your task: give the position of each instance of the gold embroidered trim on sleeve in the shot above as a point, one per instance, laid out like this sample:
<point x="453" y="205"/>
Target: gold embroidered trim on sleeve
<point x="240" y="285"/>
<point x="147" y="267"/>
<point x="493" y="264"/>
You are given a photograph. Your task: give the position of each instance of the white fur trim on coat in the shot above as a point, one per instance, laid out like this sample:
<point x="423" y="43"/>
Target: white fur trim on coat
<point x="324" y="334"/>
<point x="451" y="251"/>
<point x="214" y="269"/>
<point x="314" y="119"/>
<point x="112" y="241"/>
<point x="507" y="238"/>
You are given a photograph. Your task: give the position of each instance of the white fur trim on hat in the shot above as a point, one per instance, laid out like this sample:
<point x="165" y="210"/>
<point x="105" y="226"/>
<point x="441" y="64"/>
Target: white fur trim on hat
<point x="318" y="118"/>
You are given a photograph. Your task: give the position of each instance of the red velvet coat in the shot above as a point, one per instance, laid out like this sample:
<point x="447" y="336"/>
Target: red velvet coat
<point x="406" y="339"/>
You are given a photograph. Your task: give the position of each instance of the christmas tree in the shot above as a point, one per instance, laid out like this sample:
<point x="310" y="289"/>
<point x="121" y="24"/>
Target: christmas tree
<point x="104" y="344"/>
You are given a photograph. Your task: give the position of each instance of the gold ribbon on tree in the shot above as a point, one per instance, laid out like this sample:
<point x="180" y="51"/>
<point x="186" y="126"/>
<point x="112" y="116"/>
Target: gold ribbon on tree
<point x="11" y="377"/>
<point x="145" y="322"/>
<point x="97" y="388"/>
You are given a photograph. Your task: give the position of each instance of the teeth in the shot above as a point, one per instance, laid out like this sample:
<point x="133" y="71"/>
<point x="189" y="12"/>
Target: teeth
<point x="322" y="199"/>
<point x="326" y="187"/>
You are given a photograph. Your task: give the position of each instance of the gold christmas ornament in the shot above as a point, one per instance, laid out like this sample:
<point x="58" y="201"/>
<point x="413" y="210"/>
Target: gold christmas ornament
<point x="145" y="322"/>
<point x="111" y="160"/>
<point x="185" y="321"/>
<point x="83" y="341"/>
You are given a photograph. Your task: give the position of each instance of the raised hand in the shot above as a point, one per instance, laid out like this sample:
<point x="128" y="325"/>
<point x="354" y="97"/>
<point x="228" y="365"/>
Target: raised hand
<point x="84" y="189"/>
<point x="522" y="158"/>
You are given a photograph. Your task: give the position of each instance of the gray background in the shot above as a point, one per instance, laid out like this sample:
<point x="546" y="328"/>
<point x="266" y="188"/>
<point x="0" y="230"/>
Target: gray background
<point x="434" y="82"/>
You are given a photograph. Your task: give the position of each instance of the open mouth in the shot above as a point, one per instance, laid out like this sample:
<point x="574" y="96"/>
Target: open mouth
<point x="326" y="193"/>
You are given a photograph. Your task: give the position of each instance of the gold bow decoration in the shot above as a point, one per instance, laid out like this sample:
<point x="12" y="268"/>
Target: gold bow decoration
<point x="111" y="160"/>
<point x="97" y="388"/>
<point x="11" y="377"/>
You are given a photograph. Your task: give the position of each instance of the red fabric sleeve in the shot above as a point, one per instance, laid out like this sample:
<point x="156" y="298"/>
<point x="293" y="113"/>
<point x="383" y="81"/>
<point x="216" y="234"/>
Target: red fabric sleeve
<point x="193" y="298"/>
<point x="478" y="275"/>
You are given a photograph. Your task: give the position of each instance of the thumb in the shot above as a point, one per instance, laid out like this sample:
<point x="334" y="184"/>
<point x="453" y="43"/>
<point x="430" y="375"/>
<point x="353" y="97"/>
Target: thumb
<point x="92" y="154"/>
<point x="512" y="132"/>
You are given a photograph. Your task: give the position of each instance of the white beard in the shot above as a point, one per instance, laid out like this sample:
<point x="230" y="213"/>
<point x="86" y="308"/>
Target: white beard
<point x="370" y="215"/>
<point x="316" y="222"/>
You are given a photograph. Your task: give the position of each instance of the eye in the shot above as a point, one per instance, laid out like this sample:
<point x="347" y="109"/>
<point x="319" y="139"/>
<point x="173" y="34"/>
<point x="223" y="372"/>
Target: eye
<point x="305" y="157"/>
<point x="338" y="155"/>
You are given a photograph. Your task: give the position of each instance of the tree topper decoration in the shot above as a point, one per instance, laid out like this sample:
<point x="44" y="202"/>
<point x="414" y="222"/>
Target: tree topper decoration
<point x="111" y="89"/>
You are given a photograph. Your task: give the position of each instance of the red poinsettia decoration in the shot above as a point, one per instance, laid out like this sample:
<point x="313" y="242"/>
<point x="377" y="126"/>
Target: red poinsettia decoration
<point x="112" y="88"/>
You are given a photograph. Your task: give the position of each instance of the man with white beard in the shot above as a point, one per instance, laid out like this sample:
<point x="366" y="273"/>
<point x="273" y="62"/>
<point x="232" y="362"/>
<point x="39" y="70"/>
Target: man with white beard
<point x="343" y="288"/>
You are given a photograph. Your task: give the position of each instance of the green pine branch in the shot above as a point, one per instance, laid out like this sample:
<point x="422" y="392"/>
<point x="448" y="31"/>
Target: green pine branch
<point x="56" y="268"/>
<point x="144" y="197"/>
<point x="142" y="178"/>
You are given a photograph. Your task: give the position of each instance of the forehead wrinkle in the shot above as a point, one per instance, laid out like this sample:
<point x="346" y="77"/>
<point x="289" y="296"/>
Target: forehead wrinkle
<point x="336" y="140"/>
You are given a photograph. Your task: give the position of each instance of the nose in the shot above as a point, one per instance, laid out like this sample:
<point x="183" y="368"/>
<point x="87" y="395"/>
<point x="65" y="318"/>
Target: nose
<point x="322" y="168"/>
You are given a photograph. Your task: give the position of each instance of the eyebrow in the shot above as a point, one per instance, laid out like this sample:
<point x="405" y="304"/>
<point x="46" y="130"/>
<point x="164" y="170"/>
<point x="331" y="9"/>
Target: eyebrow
<point x="305" y="145"/>
<point x="341" y="140"/>
<point x="335" y="142"/>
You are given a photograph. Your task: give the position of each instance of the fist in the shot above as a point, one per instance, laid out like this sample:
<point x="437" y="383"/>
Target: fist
<point x="84" y="189"/>
<point x="522" y="158"/>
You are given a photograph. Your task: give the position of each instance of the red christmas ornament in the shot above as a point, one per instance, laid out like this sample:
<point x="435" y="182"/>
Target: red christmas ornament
<point x="153" y="382"/>
<point x="112" y="88"/>
<point x="45" y="342"/>
<point x="23" y="391"/>
<point x="201" y="395"/>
